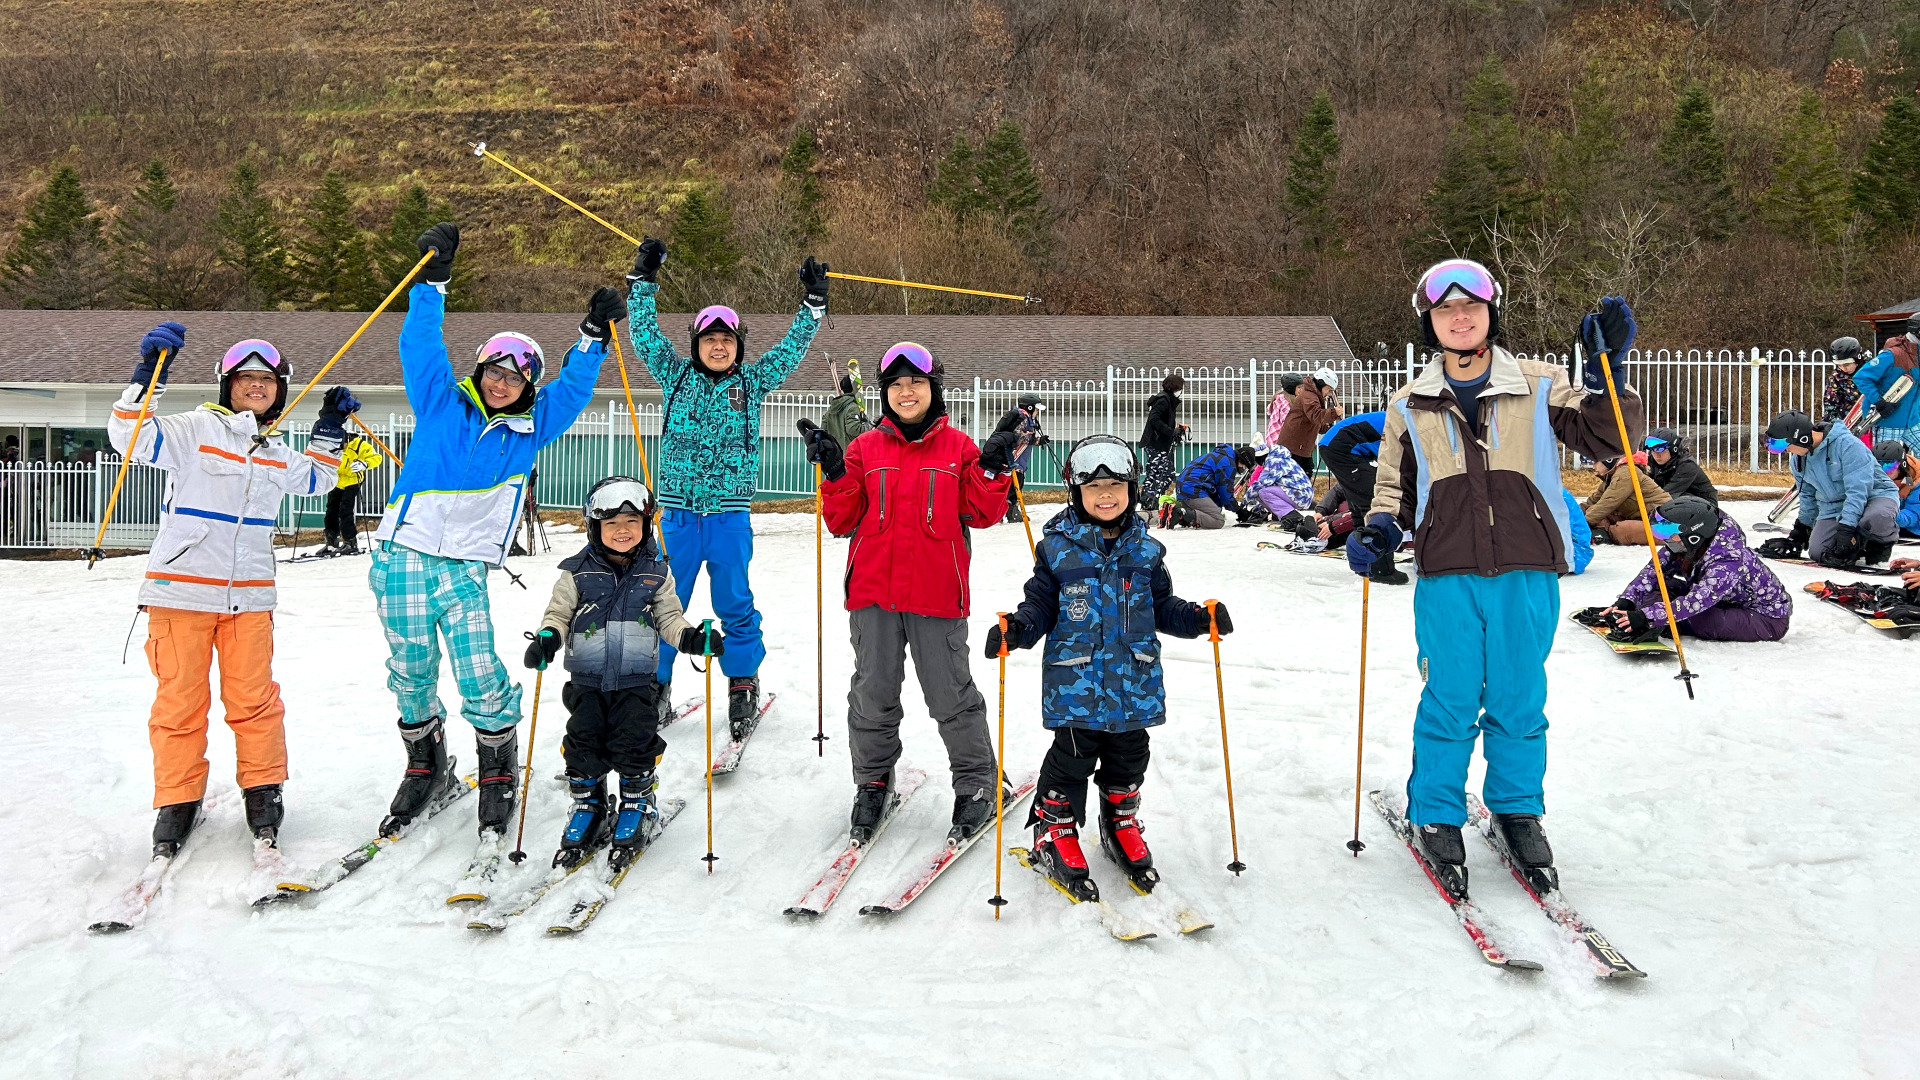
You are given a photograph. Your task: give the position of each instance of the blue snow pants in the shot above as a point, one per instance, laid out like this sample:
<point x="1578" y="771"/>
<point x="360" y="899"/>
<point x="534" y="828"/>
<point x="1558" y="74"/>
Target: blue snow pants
<point x="1483" y="653"/>
<point x="723" y="543"/>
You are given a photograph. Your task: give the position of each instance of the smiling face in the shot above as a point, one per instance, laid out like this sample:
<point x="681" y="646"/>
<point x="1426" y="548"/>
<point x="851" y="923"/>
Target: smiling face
<point x="717" y="350"/>
<point x="623" y="532"/>
<point x="253" y="391"/>
<point x="910" y="396"/>
<point x="1461" y="323"/>
<point x="499" y="387"/>
<point x="1105" y="499"/>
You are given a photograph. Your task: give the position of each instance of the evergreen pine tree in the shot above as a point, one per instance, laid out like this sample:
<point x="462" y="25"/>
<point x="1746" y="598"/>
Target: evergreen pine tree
<point x="1587" y="163"/>
<point x="252" y="244"/>
<point x="1886" y="189"/>
<point x="1311" y="169"/>
<point x="806" y="203"/>
<point x="705" y="257"/>
<point x="1483" y="179"/>
<point x="160" y="257"/>
<point x="57" y="259"/>
<point x="955" y="183"/>
<point x="1808" y="197"/>
<point x="397" y="250"/>
<point x="1698" y="183"/>
<point x="332" y="269"/>
<point x="1009" y="188"/>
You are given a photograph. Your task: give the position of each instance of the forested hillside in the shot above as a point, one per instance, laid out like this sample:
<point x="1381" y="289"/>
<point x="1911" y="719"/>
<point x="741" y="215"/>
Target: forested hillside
<point x="1740" y="170"/>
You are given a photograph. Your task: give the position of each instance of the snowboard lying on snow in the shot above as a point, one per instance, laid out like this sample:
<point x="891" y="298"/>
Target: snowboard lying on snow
<point x="1662" y="647"/>
<point x="1880" y="607"/>
<point x="1876" y="571"/>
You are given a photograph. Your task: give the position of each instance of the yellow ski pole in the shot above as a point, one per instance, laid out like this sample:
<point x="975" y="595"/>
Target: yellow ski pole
<point x="1020" y="499"/>
<point x="1360" y="737"/>
<point x="706" y="648"/>
<point x="620" y="358"/>
<point x="96" y="553"/>
<point x="819" y="619"/>
<point x="999" y="785"/>
<point x="935" y="288"/>
<point x="384" y="448"/>
<point x="1226" y="759"/>
<point x="526" y="784"/>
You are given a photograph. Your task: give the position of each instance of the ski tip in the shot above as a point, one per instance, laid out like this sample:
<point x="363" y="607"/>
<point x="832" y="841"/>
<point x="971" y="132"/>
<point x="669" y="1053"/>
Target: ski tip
<point x="110" y="926"/>
<point x="1623" y="974"/>
<point x="465" y="898"/>
<point x="803" y="913"/>
<point x="1514" y="964"/>
<point x="878" y="909"/>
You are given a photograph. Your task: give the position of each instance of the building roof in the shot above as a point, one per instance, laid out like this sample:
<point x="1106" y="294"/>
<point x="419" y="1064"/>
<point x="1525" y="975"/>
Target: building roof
<point x="1890" y="314"/>
<point x="101" y="347"/>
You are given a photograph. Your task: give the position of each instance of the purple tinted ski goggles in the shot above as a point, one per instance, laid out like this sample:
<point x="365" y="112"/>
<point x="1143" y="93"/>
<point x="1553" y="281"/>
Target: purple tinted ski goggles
<point x="716" y="313"/>
<point x="910" y="353"/>
<point x="259" y="351"/>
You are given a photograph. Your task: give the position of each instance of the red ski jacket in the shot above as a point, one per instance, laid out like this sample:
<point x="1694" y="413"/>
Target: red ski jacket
<point x="909" y="506"/>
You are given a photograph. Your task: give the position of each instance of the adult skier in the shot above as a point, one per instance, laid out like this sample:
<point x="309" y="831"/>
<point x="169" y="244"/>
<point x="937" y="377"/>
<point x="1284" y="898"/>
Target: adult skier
<point x="710" y="459"/>
<point x="1612" y="511"/>
<point x="1904" y="470"/>
<point x="1670" y="463"/>
<point x="1886" y="386"/>
<point x="912" y="488"/>
<point x="209" y="586"/>
<point x="1854" y="506"/>
<point x="1314" y="410"/>
<point x="357" y="458"/>
<point x="1157" y="440"/>
<point x="1720" y="589"/>
<point x="454" y="509"/>
<point x="1100" y="595"/>
<point x="1470" y="462"/>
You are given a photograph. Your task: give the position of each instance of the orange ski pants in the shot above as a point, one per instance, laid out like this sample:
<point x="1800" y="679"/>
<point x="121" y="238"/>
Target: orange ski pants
<point x="180" y="649"/>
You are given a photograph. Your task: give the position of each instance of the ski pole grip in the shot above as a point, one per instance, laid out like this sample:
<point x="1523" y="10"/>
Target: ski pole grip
<point x="706" y="637"/>
<point x="1213" y="621"/>
<point x="1003" y="633"/>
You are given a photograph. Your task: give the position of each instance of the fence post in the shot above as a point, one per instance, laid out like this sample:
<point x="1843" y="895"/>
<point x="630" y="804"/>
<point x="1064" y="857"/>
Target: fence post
<point x="1109" y="427"/>
<point x="1253" y="398"/>
<point x="974" y="411"/>
<point x="1410" y="372"/>
<point x="610" y="427"/>
<point x="1754" y="361"/>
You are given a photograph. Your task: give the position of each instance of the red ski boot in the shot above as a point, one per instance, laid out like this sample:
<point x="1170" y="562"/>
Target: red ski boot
<point x="1120" y="836"/>
<point x="1056" y="848"/>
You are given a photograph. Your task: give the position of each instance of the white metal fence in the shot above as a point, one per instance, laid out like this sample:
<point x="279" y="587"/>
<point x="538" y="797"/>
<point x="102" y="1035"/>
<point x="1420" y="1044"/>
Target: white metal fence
<point x="1719" y="399"/>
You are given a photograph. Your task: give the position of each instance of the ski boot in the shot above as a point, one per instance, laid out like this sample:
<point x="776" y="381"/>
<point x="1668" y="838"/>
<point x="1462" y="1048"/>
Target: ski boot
<point x="429" y="774"/>
<point x="638" y="818"/>
<point x="264" y="812"/>
<point x="1526" y="842"/>
<point x="587" y="826"/>
<point x="973" y="811"/>
<point x="1446" y="853"/>
<point x="1291" y="523"/>
<point x="869" y="802"/>
<point x="743" y="705"/>
<point x="499" y="756"/>
<point x="171" y="826"/>
<point x="1120" y="836"/>
<point x="1056" y="848"/>
<point x="662" y="705"/>
<point x="1875" y="552"/>
<point x="1383" y="572"/>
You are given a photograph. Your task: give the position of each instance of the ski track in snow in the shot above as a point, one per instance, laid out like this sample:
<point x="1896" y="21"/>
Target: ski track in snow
<point x="1754" y="851"/>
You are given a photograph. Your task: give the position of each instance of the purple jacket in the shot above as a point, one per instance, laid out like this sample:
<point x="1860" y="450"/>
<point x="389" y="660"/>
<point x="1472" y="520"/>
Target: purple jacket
<point x="1728" y="573"/>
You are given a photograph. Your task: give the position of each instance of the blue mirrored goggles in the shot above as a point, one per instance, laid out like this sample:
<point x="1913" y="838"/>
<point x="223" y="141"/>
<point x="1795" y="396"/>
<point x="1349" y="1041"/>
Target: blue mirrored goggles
<point x="1890" y="467"/>
<point x="1656" y="444"/>
<point x="1664" y="529"/>
<point x="1776" y="446"/>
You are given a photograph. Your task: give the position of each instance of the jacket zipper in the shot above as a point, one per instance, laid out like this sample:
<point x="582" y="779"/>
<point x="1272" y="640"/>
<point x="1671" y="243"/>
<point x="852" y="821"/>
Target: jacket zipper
<point x="931" y="475"/>
<point x="233" y="561"/>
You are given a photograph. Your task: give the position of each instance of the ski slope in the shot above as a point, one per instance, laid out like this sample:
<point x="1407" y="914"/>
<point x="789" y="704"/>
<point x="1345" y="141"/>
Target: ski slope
<point x="1754" y="851"/>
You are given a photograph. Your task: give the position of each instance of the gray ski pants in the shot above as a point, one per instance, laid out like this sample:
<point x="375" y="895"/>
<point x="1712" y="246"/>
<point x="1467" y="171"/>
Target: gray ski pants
<point x="1877" y="522"/>
<point x="940" y="658"/>
<point x="1207" y="513"/>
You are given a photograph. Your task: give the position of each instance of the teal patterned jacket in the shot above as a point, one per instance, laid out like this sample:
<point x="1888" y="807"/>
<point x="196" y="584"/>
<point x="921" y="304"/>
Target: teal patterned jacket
<point x="1102" y="612"/>
<point x="710" y="443"/>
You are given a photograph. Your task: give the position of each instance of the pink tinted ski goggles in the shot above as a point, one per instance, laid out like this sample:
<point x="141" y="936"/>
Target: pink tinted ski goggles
<point x="1454" y="275"/>
<point x="716" y="313"/>
<point x="908" y="352"/>
<point x="252" y="354"/>
<point x="517" y="350"/>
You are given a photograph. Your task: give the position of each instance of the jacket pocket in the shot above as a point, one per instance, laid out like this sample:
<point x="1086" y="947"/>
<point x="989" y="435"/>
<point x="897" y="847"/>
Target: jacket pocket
<point x="175" y="543"/>
<point x="587" y="651"/>
<point x="878" y="494"/>
<point x="941" y="514"/>
<point x="162" y="659"/>
<point x="1525" y="534"/>
<point x="1069" y="693"/>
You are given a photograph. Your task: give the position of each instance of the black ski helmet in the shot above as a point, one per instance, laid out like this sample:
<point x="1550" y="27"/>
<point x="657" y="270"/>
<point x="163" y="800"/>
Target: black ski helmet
<point x="617" y="495"/>
<point x="1664" y="435"/>
<point x="1890" y="452"/>
<point x="1793" y="427"/>
<point x="912" y="358"/>
<point x="1845" y="350"/>
<point x="1031" y="400"/>
<point x="1245" y="456"/>
<point x="719" y="319"/>
<point x="1447" y="277"/>
<point x="1696" y="518"/>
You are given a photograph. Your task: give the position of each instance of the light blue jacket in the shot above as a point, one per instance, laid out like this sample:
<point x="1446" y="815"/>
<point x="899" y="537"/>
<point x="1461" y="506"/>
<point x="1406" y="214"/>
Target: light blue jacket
<point x="1843" y="476"/>
<point x="460" y="493"/>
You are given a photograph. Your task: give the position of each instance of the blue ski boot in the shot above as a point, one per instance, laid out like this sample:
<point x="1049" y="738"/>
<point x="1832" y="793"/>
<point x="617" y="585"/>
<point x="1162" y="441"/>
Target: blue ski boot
<point x="587" y="825"/>
<point x="638" y="821"/>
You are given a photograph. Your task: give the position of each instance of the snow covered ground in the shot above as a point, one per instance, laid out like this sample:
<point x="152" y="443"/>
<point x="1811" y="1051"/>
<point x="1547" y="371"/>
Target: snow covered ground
<point x="1754" y="850"/>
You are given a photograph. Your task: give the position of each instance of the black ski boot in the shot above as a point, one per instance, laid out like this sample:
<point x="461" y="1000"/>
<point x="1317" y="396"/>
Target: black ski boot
<point x="499" y="755"/>
<point x="264" y="812"/>
<point x="743" y="705"/>
<point x="1383" y="572"/>
<point x="972" y="811"/>
<point x="587" y="826"/>
<point x="1526" y="841"/>
<point x="1446" y="852"/>
<point x="1120" y="836"/>
<point x="1875" y="552"/>
<point x="638" y="819"/>
<point x="171" y="825"/>
<point x="1056" y="848"/>
<point x="869" y="802"/>
<point x="1292" y="522"/>
<point x="429" y="774"/>
<point x="662" y="705"/>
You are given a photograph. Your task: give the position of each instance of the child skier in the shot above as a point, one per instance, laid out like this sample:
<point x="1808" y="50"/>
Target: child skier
<point x="1721" y="591"/>
<point x="1849" y="508"/>
<point x="210" y="576"/>
<point x="1096" y="575"/>
<point x="357" y="458"/>
<point x="1903" y="469"/>
<point x="455" y="507"/>
<point x="912" y="487"/>
<point x="1470" y="461"/>
<point x="613" y="605"/>
<point x="1281" y="487"/>
<point x="710" y="459"/>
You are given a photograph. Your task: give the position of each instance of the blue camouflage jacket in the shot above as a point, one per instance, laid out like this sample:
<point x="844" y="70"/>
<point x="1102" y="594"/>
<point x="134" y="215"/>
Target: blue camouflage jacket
<point x="1211" y="477"/>
<point x="710" y="432"/>
<point x="1101" y="610"/>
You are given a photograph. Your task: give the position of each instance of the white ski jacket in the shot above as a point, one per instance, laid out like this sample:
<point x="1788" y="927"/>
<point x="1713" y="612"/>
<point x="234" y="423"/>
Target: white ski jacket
<point x="214" y="551"/>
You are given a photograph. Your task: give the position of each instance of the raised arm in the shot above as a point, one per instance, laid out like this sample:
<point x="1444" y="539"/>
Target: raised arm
<point x="164" y="441"/>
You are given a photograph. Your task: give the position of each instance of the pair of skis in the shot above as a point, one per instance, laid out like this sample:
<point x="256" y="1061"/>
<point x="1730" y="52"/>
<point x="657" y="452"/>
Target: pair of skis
<point x="1540" y="887"/>
<point x="1159" y="900"/>
<point x="608" y="873"/>
<point x="335" y="872"/>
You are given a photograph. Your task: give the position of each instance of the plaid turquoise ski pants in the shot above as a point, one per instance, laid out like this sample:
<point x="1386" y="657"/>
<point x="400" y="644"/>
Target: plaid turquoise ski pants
<point x="423" y="598"/>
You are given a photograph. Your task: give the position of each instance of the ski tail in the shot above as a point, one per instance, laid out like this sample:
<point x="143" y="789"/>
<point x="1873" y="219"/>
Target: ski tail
<point x="1469" y="916"/>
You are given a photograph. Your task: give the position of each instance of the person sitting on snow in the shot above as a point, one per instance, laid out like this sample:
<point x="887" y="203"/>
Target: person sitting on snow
<point x="1671" y="465"/>
<point x="1848" y="505"/>
<point x="1611" y="510"/>
<point x="1206" y="488"/>
<point x="1720" y="589"/>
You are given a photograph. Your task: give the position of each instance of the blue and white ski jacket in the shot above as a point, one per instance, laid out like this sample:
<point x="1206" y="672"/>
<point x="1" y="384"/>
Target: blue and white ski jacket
<point x="460" y="493"/>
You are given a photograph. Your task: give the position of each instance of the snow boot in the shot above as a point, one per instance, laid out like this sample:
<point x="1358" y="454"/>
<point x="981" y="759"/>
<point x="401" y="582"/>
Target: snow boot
<point x="499" y="756"/>
<point x="429" y="773"/>
<point x="264" y="812"/>
<point x="171" y="825"/>
<point x="1526" y="841"/>
<point x="1056" y="848"/>
<point x="1383" y="572"/>
<point x="1446" y="852"/>
<point x="972" y="811"/>
<point x="869" y="802"/>
<point x="662" y="705"/>
<point x="1121" y="839"/>
<point x="743" y="705"/>
<point x="587" y="826"/>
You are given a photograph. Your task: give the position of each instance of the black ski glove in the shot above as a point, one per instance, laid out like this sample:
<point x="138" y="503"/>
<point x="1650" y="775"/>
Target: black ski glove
<point x="823" y="450"/>
<point x="996" y="454"/>
<point x="1220" y="616"/>
<point x="443" y="240"/>
<point x="606" y="308"/>
<point x="695" y="641"/>
<point x="541" y="649"/>
<point x="1631" y="622"/>
<point x="168" y="337"/>
<point x="340" y="400"/>
<point x="813" y="276"/>
<point x="1019" y="636"/>
<point x="646" y="261"/>
<point x="330" y="429"/>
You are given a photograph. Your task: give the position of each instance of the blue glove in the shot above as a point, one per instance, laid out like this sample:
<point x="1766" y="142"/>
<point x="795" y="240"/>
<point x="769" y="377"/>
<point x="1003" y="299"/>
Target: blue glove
<point x="170" y="336"/>
<point x="1379" y="538"/>
<point x="1610" y="331"/>
<point x="340" y="400"/>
